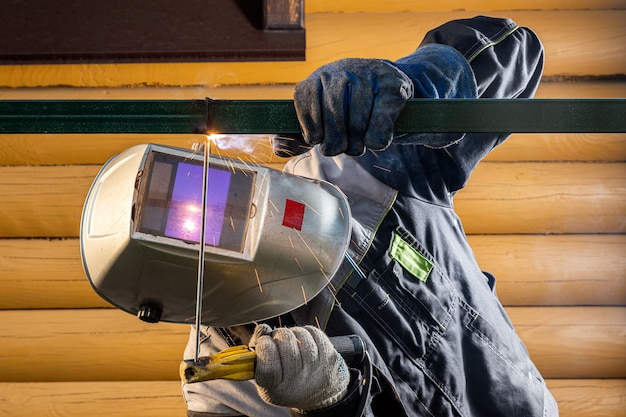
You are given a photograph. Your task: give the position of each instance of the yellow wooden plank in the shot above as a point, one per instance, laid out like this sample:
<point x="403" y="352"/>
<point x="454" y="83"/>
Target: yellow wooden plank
<point x="501" y="198"/>
<point x="544" y="198"/>
<point x="532" y="270"/>
<point x="555" y="270"/>
<point x="574" y="342"/>
<point x="349" y="6"/>
<point x="561" y="147"/>
<point x="105" y="344"/>
<point x="589" y="397"/>
<point x="93" y="399"/>
<point x="44" y="201"/>
<point x="64" y="149"/>
<point x="584" y="42"/>
<point x="87" y="345"/>
<point x="44" y="273"/>
<point x="576" y="398"/>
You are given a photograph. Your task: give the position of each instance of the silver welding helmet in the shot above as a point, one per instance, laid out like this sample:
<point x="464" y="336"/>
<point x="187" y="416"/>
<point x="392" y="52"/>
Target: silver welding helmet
<point x="272" y="240"/>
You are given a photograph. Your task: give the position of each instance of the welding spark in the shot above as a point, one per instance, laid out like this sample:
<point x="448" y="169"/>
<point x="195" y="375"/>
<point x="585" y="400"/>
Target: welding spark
<point x="310" y="250"/>
<point x="330" y="284"/>
<point x="381" y="168"/>
<point x="304" y="294"/>
<point x="312" y="209"/>
<point x="244" y="162"/>
<point x="373" y="153"/>
<point x="298" y="262"/>
<point x="232" y="167"/>
<point x="258" y="280"/>
<point x="196" y="148"/>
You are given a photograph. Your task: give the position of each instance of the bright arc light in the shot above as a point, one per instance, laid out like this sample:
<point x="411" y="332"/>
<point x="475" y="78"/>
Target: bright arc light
<point x="190" y="226"/>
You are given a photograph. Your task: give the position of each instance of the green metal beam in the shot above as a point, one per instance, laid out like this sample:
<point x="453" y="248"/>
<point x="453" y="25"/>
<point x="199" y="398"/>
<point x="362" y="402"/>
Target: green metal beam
<point x="278" y="116"/>
<point x="102" y="116"/>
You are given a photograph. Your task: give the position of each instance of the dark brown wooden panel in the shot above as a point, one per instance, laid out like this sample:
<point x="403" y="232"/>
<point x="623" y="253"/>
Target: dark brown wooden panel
<point x="66" y="31"/>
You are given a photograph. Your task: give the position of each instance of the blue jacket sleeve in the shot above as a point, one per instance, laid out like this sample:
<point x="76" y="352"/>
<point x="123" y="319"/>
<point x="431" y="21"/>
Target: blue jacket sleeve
<point x="468" y="58"/>
<point x="507" y="62"/>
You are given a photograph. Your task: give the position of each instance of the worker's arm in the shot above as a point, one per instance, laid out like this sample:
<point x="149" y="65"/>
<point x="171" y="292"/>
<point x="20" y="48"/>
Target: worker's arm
<point x="351" y="105"/>
<point x="507" y="62"/>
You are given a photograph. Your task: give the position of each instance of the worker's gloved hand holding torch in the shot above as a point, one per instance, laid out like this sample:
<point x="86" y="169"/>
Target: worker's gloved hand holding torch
<point x="298" y="367"/>
<point x="349" y="105"/>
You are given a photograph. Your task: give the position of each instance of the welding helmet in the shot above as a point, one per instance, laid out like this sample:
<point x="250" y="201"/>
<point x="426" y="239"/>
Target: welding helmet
<point x="272" y="240"/>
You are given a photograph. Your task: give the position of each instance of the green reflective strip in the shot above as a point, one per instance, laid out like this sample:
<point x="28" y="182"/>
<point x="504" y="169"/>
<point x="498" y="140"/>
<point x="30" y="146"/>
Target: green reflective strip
<point x="410" y="259"/>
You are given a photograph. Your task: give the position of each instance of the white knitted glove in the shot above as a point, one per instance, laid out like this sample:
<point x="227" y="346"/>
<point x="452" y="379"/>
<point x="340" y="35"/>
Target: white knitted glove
<point x="298" y="367"/>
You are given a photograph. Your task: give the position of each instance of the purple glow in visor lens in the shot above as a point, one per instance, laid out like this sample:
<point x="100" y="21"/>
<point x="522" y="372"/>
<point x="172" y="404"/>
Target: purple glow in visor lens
<point x="184" y="220"/>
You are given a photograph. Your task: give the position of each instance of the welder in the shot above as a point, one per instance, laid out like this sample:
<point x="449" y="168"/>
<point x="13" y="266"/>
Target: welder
<point x="438" y="339"/>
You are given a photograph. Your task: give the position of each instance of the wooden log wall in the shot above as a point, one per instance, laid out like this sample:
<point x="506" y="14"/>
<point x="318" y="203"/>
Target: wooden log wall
<point x="545" y="213"/>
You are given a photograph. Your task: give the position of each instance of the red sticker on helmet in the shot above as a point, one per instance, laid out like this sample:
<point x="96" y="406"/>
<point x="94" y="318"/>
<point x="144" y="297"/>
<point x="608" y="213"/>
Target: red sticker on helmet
<point x="294" y="214"/>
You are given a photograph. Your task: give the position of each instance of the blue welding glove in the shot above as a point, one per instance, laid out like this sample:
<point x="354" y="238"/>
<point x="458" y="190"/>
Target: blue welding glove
<point x="351" y="104"/>
<point x="298" y="367"/>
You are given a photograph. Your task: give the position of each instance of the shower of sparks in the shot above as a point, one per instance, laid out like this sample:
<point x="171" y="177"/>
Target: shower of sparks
<point x="232" y="223"/>
<point x="245" y="163"/>
<point x="317" y="322"/>
<point x="196" y="148"/>
<point x="290" y="241"/>
<point x="341" y="212"/>
<point x="274" y="205"/>
<point x="258" y="280"/>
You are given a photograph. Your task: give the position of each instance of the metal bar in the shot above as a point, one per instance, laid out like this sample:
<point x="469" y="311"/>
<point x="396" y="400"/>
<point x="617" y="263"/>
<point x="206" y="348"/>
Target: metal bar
<point x="278" y="116"/>
<point x="103" y="116"/>
<point x="440" y="116"/>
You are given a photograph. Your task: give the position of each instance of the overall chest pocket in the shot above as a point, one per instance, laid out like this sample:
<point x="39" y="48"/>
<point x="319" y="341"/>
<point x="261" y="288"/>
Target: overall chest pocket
<point x="407" y="295"/>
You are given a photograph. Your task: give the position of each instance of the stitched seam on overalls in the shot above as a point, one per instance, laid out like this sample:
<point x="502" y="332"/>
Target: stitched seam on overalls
<point x="499" y="37"/>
